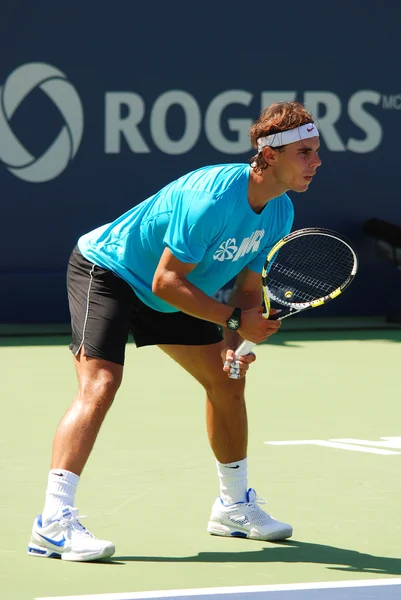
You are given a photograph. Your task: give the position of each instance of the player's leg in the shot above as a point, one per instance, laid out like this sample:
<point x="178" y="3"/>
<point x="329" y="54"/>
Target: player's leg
<point x="98" y="382"/>
<point x="100" y="305"/>
<point x="226" y="417"/>
<point x="236" y="512"/>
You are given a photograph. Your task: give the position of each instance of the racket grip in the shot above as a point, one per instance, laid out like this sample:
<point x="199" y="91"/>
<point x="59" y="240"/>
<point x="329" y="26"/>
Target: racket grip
<point x="244" y="349"/>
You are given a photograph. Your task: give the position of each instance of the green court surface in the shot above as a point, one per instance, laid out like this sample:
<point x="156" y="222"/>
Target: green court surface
<point x="151" y="480"/>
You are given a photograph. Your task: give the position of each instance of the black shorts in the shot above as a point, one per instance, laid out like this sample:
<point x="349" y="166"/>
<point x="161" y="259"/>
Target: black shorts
<point x="104" y="309"/>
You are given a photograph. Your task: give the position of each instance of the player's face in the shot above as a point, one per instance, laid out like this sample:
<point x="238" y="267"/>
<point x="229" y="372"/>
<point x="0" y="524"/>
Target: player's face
<point x="297" y="164"/>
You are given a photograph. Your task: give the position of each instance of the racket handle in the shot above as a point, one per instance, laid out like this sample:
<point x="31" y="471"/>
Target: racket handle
<point x="244" y="349"/>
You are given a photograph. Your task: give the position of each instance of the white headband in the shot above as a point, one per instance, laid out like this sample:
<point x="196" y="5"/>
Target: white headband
<point x="288" y="137"/>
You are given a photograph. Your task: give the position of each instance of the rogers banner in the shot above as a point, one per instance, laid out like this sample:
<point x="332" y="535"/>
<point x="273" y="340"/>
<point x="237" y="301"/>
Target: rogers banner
<point x="98" y="114"/>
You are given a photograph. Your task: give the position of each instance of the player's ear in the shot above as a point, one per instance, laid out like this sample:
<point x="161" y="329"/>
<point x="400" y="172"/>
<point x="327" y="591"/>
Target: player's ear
<point x="269" y="155"/>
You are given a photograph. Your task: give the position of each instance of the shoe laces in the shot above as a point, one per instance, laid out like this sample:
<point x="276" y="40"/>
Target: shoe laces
<point x="70" y="521"/>
<point x="254" y="499"/>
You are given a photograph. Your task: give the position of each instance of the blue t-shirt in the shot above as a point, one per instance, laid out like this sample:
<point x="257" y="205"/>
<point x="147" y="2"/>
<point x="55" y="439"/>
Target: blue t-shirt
<point x="204" y="218"/>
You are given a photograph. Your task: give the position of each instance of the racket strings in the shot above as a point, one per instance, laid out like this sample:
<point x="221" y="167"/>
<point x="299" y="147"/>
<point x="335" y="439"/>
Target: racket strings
<point x="309" y="267"/>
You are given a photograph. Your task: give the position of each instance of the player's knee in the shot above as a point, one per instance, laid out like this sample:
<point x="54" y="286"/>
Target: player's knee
<point x="100" y="390"/>
<point x="226" y="392"/>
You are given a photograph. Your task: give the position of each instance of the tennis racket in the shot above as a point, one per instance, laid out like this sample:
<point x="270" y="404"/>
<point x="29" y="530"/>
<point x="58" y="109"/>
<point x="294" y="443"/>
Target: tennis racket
<point x="305" y="269"/>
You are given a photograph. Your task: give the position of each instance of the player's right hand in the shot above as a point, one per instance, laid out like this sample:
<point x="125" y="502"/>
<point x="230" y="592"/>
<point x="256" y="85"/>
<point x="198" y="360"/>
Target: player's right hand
<point x="239" y="366"/>
<point x="255" y="327"/>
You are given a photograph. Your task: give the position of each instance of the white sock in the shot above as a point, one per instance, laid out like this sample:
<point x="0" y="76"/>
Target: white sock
<point x="233" y="481"/>
<point x="61" y="488"/>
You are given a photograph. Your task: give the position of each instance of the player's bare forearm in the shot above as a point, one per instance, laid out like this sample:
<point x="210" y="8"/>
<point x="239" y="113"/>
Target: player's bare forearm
<point x="170" y="283"/>
<point x="185" y="296"/>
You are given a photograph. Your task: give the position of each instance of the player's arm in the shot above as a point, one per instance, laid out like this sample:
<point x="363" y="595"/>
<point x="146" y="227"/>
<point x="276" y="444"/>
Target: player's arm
<point x="170" y="283"/>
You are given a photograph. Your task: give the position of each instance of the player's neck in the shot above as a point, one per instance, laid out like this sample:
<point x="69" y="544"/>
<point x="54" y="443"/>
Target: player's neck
<point x="262" y="188"/>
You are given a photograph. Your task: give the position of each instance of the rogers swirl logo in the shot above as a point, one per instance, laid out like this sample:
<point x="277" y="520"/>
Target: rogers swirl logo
<point x="55" y="159"/>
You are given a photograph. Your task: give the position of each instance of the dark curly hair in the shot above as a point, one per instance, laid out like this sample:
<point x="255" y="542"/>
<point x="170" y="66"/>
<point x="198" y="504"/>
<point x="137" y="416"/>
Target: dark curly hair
<point x="278" y="117"/>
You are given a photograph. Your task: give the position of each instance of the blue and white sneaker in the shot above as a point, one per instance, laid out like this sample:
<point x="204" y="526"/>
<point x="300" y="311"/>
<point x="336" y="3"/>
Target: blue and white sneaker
<point x="246" y="520"/>
<point x="66" y="538"/>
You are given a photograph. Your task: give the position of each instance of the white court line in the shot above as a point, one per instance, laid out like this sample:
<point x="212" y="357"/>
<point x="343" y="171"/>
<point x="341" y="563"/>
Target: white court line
<point x="255" y="592"/>
<point x="332" y="444"/>
<point x="389" y="442"/>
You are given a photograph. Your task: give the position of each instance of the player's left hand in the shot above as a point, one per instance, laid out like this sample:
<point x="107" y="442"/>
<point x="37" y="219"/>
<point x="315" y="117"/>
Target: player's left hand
<point x="236" y="369"/>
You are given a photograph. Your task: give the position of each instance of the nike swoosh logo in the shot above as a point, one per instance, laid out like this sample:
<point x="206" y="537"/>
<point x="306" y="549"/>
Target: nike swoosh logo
<point x="311" y="129"/>
<point x="236" y="467"/>
<point x="59" y="543"/>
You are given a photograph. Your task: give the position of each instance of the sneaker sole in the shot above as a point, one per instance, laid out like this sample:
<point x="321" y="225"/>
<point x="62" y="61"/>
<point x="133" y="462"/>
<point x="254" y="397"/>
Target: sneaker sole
<point x="42" y="552"/>
<point x="254" y="534"/>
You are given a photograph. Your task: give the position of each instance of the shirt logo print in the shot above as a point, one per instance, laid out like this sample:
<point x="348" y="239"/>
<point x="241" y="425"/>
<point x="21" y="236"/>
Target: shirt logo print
<point x="229" y="250"/>
<point x="226" y="250"/>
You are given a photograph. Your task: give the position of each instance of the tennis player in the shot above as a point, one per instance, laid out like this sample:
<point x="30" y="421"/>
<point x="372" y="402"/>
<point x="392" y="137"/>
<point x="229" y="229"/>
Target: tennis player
<point x="153" y="272"/>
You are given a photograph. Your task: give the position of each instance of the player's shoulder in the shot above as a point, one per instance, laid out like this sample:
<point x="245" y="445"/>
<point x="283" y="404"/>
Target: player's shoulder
<point x="285" y="199"/>
<point x="216" y="179"/>
<point x="285" y="202"/>
<point x="280" y="210"/>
